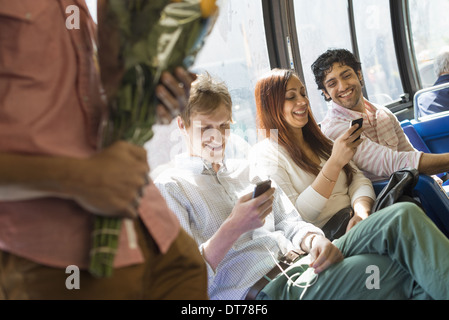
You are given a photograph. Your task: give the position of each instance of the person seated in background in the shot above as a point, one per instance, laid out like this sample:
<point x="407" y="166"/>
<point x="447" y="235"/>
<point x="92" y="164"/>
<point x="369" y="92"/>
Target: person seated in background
<point x="437" y="101"/>
<point x="241" y="237"/>
<point x="317" y="175"/>
<point x="385" y="147"/>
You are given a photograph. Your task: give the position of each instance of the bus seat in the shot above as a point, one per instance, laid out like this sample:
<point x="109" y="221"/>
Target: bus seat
<point x="415" y="139"/>
<point x="434" y="132"/>
<point x="433" y="198"/>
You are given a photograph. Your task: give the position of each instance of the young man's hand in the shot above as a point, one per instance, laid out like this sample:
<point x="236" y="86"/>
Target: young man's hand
<point x="324" y="254"/>
<point x="249" y="214"/>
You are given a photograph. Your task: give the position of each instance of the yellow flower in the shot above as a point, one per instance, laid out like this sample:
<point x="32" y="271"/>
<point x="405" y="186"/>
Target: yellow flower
<point x="208" y="8"/>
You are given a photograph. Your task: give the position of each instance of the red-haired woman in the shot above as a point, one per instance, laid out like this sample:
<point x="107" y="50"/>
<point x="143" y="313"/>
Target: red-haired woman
<point x="316" y="173"/>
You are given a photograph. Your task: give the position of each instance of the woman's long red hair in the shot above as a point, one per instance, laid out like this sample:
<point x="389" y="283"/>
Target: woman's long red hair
<point x="270" y="98"/>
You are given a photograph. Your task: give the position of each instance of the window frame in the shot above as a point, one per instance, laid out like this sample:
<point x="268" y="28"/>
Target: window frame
<point x="279" y="20"/>
<point x="405" y="54"/>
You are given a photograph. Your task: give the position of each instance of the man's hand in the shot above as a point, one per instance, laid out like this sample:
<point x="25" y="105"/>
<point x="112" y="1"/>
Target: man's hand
<point x="323" y="254"/>
<point x="249" y="214"/>
<point x="173" y="94"/>
<point x="110" y="183"/>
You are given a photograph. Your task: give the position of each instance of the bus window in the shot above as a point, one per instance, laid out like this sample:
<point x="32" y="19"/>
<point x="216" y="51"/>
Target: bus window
<point x="429" y="25"/>
<point x="92" y="6"/>
<point x="236" y="52"/>
<point x="377" y="52"/>
<point x="320" y="25"/>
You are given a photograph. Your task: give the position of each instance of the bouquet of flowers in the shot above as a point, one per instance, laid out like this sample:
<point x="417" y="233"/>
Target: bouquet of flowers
<point x="140" y="39"/>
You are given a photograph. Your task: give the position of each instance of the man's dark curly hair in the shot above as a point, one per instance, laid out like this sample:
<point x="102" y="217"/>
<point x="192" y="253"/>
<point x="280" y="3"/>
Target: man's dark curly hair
<point x="323" y="65"/>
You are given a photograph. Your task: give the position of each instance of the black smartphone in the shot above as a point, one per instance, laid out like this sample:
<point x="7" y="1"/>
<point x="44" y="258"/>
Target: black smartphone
<point x="261" y="188"/>
<point x="359" y="122"/>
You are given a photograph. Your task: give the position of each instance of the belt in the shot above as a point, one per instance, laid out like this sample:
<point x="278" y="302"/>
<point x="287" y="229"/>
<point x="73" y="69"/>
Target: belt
<point x="286" y="261"/>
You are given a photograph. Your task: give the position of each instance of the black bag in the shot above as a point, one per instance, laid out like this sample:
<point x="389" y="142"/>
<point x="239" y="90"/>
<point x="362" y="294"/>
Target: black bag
<point x="336" y="226"/>
<point x="398" y="189"/>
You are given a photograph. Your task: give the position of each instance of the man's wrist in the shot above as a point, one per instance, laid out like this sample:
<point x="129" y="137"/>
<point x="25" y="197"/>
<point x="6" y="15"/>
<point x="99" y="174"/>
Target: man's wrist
<point x="307" y="243"/>
<point x="310" y="242"/>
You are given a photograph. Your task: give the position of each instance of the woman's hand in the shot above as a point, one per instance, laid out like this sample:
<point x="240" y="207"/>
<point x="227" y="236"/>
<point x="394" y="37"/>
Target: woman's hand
<point x="343" y="150"/>
<point x="362" y="210"/>
<point x="346" y="145"/>
<point x="353" y="221"/>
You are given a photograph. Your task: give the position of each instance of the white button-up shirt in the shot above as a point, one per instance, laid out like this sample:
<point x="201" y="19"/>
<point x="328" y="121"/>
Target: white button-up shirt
<point x="203" y="200"/>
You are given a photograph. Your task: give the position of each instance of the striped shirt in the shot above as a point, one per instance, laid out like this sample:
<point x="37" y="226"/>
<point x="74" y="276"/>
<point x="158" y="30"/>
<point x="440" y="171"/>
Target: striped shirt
<point x="385" y="147"/>
<point x="203" y="200"/>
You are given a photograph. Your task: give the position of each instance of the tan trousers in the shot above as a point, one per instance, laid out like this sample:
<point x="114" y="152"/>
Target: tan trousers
<point x="180" y="274"/>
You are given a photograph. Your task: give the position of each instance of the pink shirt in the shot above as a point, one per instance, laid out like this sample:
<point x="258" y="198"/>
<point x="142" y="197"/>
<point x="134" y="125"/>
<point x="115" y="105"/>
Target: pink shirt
<point x="51" y="104"/>
<point x="385" y="148"/>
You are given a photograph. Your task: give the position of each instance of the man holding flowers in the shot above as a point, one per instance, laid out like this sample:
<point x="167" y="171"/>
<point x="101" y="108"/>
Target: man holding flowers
<point x="55" y="179"/>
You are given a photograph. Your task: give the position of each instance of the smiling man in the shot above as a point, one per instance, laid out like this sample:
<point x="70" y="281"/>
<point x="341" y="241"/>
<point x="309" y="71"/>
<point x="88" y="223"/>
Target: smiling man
<point x="207" y="129"/>
<point x="385" y="148"/>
